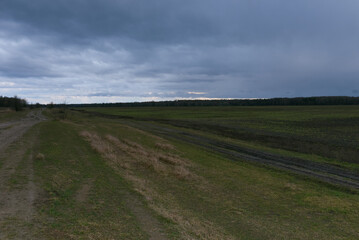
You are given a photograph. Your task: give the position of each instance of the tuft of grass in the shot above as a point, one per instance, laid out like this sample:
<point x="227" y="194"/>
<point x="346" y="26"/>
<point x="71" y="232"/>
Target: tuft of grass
<point x="165" y="146"/>
<point x="40" y="156"/>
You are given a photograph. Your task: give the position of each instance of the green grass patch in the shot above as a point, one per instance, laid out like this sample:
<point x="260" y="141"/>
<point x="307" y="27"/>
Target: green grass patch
<point x="9" y="115"/>
<point x="68" y="165"/>
<point x="255" y="202"/>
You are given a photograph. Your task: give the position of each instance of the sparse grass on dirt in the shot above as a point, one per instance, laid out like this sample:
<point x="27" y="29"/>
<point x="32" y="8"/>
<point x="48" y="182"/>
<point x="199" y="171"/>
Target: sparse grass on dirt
<point x="64" y="165"/>
<point x="18" y="191"/>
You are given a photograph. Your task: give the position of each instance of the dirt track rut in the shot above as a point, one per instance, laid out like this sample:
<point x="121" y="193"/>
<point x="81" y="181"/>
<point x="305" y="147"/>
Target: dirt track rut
<point x="321" y="171"/>
<point x="12" y="130"/>
<point x="17" y="199"/>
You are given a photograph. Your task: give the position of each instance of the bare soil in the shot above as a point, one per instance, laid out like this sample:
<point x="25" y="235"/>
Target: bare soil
<point x="13" y="130"/>
<point x="84" y="191"/>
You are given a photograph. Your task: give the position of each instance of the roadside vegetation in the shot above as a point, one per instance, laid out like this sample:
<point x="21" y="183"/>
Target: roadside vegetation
<point x="7" y="114"/>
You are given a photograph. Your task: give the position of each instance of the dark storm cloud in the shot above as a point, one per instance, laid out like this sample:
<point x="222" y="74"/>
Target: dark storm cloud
<point x="113" y="50"/>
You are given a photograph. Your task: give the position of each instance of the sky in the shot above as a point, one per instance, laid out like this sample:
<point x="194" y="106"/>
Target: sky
<point x="85" y="51"/>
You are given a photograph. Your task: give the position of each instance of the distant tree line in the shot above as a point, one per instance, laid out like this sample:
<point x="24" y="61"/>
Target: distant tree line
<point x="339" y="100"/>
<point x="13" y="102"/>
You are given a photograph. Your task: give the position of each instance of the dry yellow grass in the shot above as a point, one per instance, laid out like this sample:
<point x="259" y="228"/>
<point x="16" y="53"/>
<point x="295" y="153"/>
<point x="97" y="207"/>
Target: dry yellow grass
<point x="164" y="146"/>
<point x="129" y="155"/>
<point x="124" y="156"/>
<point x="163" y="163"/>
<point x="190" y="226"/>
<point x="40" y="156"/>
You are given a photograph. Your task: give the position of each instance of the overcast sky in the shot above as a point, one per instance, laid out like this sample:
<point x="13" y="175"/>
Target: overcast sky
<point x="141" y="50"/>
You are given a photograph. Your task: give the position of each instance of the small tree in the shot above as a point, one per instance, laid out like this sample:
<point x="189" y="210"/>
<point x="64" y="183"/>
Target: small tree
<point x="50" y="105"/>
<point x="17" y="104"/>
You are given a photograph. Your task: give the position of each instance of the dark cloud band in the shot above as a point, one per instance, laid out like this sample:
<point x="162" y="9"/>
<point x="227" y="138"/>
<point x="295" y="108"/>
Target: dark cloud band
<point x="106" y="50"/>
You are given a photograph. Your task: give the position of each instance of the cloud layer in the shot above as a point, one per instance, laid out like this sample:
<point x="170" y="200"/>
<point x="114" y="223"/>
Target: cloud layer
<point x="113" y="50"/>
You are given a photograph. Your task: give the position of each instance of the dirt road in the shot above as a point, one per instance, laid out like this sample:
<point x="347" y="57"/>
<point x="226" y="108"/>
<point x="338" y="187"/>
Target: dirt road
<point x="17" y="189"/>
<point x="12" y="130"/>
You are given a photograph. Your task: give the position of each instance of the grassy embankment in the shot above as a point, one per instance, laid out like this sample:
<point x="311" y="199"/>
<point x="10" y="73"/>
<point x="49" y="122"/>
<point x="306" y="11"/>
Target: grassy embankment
<point x="82" y="196"/>
<point x="89" y="168"/>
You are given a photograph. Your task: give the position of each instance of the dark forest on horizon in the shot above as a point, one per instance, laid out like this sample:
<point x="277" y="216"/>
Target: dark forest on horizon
<point x="17" y="103"/>
<point x="14" y="103"/>
<point x="337" y="100"/>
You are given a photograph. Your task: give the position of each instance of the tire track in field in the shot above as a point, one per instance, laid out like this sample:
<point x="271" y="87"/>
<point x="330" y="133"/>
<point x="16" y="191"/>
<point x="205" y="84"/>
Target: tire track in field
<point x="322" y="171"/>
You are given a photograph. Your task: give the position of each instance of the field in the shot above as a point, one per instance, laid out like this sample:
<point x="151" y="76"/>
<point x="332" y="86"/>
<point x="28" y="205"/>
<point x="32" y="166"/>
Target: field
<point x="183" y="173"/>
<point x="326" y="133"/>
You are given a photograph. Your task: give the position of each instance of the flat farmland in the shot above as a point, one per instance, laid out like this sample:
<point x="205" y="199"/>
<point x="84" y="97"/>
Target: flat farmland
<point x="330" y="132"/>
<point x="182" y="173"/>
